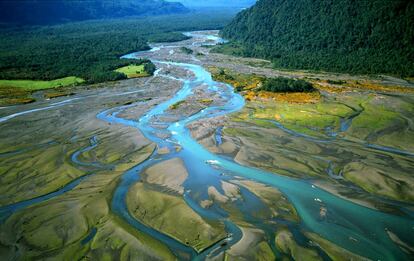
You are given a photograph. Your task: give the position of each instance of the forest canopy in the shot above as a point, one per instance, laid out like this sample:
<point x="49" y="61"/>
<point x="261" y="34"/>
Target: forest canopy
<point x="282" y="84"/>
<point x="58" y="11"/>
<point x="91" y="50"/>
<point x="374" y="36"/>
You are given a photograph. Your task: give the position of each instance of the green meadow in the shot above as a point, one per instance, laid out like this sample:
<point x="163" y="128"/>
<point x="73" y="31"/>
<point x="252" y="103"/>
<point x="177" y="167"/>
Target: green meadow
<point x="133" y="71"/>
<point x="31" y="85"/>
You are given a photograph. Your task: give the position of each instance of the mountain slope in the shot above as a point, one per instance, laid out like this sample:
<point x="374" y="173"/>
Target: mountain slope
<point x="56" y="11"/>
<point x="216" y="3"/>
<point x="373" y="36"/>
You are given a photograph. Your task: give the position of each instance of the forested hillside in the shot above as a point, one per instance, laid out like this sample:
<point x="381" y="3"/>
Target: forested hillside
<point x="46" y="12"/>
<point x="215" y="3"/>
<point x="91" y="49"/>
<point x="354" y="36"/>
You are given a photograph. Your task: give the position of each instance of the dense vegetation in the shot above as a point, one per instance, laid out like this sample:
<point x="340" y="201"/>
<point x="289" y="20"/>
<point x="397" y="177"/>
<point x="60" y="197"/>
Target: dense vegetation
<point x="57" y="11"/>
<point x="91" y="50"/>
<point x="282" y="84"/>
<point x="216" y="3"/>
<point x="373" y="36"/>
<point x="253" y="82"/>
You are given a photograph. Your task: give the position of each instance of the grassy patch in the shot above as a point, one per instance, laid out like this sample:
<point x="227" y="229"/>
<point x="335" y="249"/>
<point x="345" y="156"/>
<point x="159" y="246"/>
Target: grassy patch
<point x="31" y="85"/>
<point x="206" y="101"/>
<point x="305" y="118"/>
<point x="19" y="91"/>
<point x="289" y="97"/>
<point x="176" y="105"/>
<point x="374" y="118"/>
<point x="133" y="71"/>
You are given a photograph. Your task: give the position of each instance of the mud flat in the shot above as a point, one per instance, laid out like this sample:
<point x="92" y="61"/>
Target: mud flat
<point x="170" y="214"/>
<point x="45" y="151"/>
<point x="170" y="174"/>
<point x="79" y="224"/>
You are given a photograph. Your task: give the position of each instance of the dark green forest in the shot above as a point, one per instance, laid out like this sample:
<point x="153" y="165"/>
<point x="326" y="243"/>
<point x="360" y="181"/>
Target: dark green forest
<point x="91" y="49"/>
<point x="353" y="36"/>
<point x="58" y="11"/>
<point x="282" y="84"/>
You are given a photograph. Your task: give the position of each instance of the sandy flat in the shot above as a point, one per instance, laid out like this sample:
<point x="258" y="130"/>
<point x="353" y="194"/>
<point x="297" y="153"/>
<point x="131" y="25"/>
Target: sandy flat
<point x="251" y="246"/>
<point x="170" y="173"/>
<point x="216" y="195"/>
<point x="230" y="190"/>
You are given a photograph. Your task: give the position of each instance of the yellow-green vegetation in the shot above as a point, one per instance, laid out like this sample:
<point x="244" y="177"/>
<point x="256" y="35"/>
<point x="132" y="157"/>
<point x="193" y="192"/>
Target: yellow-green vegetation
<point x="383" y="120"/>
<point x="289" y="97"/>
<point x="253" y="86"/>
<point x="19" y="91"/>
<point x="376" y="118"/>
<point x="362" y="85"/>
<point x="133" y="71"/>
<point x="170" y="214"/>
<point x="291" y="155"/>
<point x="241" y="82"/>
<point x="287" y="245"/>
<point x="377" y="86"/>
<point x="11" y="95"/>
<point x="280" y="135"/>
<point x="40" y="85"/>
<point x="205" y="101"/>
<point x="381" y="180"/>
<point x="176" y="105"/>
<point x="373" y="118"/>
<point x="308" y="118"/>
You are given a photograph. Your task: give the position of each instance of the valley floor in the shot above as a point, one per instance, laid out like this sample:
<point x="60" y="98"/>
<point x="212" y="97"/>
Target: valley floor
<point x="108" y="173"/>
